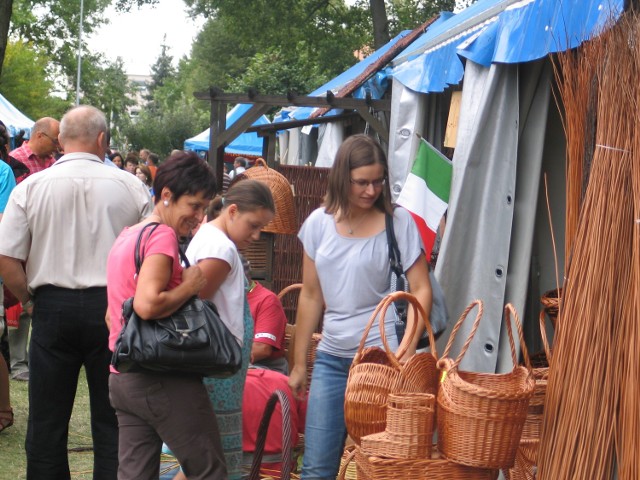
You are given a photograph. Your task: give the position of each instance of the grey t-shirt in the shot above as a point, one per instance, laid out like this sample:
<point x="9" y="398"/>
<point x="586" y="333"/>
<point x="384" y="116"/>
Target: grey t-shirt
<point x="354" y="276"/>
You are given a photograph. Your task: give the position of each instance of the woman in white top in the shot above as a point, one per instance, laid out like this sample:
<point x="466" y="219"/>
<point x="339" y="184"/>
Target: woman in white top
<point x="345" y="275"/>
<point x="248" y="207"/>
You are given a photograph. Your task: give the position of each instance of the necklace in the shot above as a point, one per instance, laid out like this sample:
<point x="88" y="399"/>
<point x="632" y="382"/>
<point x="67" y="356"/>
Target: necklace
<point x="353" y="228"/>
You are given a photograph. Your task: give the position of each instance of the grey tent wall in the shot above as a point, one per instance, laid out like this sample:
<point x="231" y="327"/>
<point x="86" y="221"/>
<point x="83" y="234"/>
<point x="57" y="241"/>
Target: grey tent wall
<point x="487" y="246"/>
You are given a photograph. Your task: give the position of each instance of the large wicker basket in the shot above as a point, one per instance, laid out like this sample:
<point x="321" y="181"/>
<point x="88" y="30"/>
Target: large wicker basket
<point x="434" y="468"/>
<point x="284" y="220"/>
<point x="377" y="372"/>
<point x="525" y="466"/>
<point x="481" y="415"/>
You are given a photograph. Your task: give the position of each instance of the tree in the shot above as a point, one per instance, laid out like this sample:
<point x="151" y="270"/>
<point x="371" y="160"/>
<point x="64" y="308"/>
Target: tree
<point x="55" y="26"/>
<point x="165" y="130"/>
<point x="25" y="84"/>
<point x="162" y="69"/>
<point x="105" y="85"/>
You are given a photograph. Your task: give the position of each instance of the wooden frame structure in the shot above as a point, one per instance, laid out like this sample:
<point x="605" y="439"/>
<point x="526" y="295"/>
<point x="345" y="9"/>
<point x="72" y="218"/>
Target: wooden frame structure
<point x="220" y="136"/>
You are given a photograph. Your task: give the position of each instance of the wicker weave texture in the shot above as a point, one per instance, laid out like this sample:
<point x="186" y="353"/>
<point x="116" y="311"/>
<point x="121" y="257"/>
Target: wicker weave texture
<point x="284" y="220"/>
<point x="533" y="424"/>
<point x="436" y="468"/>
<point x="525" y="466"/>
<point x="310" y="185"/>
<point x="481" y="415"/>
<point x="551" y="302"/>
<point x="376" y="372"/>
<point x="409" y="430"/>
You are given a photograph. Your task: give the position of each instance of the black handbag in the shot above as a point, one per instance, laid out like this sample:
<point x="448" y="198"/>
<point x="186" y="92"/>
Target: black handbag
<point x="439" y="315"/>
<point x="192" y="340"/>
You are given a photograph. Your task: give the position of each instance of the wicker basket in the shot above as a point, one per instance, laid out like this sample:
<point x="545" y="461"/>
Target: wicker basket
<point x="481" y="415"/>
<point x="376" y="372"/>
<point x="284" y="220"/>
<point x="409" y="431"/>
<point x="525" y="467"/>
<point x="435" y="468"/>
<point x="551" y="302"/>
<point x="348" y="469"/>
<point x="533" y="424"/>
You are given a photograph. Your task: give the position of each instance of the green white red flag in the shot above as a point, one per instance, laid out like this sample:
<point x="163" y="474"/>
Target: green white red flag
<point x="426" y="191"/>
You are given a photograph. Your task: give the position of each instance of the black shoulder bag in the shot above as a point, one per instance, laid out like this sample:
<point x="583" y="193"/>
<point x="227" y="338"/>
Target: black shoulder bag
<point x="439" y="315"/>
<point x="192" y="340"/>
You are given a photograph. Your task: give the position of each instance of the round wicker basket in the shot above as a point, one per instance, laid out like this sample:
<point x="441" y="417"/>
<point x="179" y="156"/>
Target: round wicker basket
<point x="481" y="415"/>
<point x="284" y="220"/>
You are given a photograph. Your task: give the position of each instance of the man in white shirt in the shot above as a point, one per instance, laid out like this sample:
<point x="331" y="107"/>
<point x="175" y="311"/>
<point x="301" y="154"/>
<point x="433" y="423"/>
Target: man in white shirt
<point x="63" y="222"/>
<point x="239" y="166"/>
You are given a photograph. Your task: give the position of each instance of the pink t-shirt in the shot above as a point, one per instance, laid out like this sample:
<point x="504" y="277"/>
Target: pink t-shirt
<point x="121" y="268"/>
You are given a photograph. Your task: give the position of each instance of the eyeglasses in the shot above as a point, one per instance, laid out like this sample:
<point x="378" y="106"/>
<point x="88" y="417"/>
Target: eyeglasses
<point x="364" y="184"/>
<point x="54" y="140"/>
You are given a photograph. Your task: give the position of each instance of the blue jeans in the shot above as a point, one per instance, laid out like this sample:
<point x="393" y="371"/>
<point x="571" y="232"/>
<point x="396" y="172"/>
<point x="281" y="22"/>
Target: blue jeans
<point x="325" y="431"/>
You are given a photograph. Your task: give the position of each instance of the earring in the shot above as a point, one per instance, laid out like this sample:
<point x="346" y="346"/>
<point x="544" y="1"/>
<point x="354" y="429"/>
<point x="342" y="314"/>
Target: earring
<point x="166" y="203"/>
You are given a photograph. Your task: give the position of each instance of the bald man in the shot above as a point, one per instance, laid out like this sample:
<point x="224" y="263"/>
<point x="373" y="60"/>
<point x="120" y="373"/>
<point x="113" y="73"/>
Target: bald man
<point x="37" y="152"/>
<point x="62" y="223"/>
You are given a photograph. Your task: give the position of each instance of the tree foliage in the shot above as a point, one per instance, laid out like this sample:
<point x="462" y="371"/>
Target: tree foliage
<point x="166" y="130"/>
<point x="25" y="84"/>
<point x="107" y="87"/>
<point x="54" y="25"/>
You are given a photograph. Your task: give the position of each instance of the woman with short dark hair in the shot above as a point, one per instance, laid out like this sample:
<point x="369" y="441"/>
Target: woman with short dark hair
<point x="154" y="407"/>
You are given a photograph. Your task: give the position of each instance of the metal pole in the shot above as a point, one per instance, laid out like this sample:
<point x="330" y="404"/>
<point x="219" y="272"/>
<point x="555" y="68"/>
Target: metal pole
<point x="79" y="54"/>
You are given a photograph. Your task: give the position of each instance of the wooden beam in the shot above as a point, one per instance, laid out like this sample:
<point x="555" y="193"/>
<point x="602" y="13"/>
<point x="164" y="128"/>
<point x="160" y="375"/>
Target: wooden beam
<point x="216" y="151"/>
<point x="292" y="99"/>
<point x="241" y="124"/>
<point x="373" y="121"/>
<point x="263" y="130"/>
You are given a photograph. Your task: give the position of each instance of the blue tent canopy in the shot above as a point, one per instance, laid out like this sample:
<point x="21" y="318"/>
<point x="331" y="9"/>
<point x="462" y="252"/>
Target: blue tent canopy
<point x="244" y="144"/>
<point x="14" y="119"/>
<point x="499" y="31"/>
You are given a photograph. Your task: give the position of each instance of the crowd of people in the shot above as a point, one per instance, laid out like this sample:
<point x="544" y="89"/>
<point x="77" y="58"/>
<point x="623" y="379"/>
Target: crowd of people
<point x="67" y="242"/>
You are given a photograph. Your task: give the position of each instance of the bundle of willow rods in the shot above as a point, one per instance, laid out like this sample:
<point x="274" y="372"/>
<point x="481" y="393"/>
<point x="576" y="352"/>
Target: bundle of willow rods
<point x="577" y="83"/>
<point x="591" y="411"/>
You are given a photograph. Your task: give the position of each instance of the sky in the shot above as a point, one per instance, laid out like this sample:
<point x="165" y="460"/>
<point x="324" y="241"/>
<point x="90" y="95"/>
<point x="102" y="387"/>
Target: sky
<point x="137" y="36"/>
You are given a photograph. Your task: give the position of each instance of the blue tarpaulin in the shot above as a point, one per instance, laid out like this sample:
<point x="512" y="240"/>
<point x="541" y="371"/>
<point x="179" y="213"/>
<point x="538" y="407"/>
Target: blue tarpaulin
<point x="244" y="144"/>
<point x="499" y="31"/>
<point x="14" y="119"/>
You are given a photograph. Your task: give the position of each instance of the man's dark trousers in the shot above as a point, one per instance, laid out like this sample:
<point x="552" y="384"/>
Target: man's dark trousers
<point x="68" y="331"/>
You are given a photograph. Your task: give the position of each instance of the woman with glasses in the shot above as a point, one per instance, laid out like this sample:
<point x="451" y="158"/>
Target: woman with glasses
<point x="345" y="274"/>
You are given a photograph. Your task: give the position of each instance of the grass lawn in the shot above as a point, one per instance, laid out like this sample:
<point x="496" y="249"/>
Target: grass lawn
<point x="14" y="462"/>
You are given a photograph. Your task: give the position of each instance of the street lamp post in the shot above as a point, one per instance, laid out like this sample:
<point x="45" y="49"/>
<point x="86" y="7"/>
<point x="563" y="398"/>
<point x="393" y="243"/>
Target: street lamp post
<point x="79" y="54"/>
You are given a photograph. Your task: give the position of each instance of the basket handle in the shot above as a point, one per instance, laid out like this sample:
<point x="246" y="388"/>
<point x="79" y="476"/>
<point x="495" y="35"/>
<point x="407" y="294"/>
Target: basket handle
<point x="285" y="290"/>
<point x="476" y="324"/>
<point x="418" y="312"/>
<point x="381" y="310"/>
<point x="260" y="161"/>
<point x="343" y="468"/>
<point x="510" y="311"/>
<point x="543" y="335"/>
<point x="287" y="444"/>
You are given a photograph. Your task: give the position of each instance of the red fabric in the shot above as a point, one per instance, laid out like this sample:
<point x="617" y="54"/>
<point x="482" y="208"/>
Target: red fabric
<point x="34" y="163"/>
<point x="269" y="317"/>
<point x="12" y="315"/>
<point x="259" y="386"/>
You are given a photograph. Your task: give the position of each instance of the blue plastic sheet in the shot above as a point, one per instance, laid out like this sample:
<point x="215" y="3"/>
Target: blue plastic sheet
<point x="500" y="31"/>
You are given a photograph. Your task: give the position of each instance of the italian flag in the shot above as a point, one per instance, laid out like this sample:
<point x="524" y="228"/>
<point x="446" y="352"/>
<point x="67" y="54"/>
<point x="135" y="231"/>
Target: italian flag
<point x="426" y="191"/>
